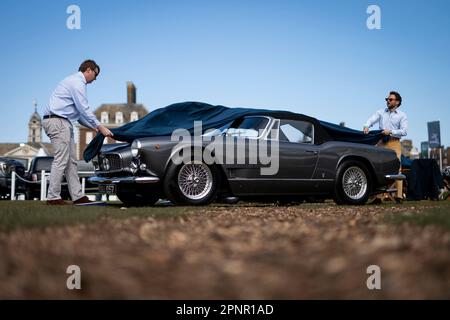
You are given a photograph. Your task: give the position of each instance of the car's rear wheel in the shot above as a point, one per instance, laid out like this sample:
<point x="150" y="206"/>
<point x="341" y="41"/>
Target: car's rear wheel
<point x="352" y="184"/>
<point x="137" y="197"/>
<point x="193" y="183"/>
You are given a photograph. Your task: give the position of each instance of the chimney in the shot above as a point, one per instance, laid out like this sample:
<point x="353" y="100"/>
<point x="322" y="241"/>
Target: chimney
<point x="131" y="93"/>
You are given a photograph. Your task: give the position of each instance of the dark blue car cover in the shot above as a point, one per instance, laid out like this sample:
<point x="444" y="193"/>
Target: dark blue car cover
<point x="164" y="121"/>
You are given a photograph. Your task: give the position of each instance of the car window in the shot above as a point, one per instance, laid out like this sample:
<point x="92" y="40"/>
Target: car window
<point x="43" y="164"/>
<point x="296" y="131"/>
<point x="247" y="127"/>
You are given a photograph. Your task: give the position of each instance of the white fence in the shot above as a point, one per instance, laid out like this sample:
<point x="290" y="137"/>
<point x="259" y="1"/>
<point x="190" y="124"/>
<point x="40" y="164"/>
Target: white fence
<point x="44" y="178"/>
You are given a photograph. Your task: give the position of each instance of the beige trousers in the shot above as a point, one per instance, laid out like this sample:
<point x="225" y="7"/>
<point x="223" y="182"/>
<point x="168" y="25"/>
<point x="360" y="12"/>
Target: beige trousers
<point x="397" y="147"/>
<point x="60" y="132"/>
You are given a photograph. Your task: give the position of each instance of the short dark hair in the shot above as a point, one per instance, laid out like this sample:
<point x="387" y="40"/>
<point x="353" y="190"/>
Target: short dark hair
<point x="89" y="64"/>
<point x="397" y="95"/>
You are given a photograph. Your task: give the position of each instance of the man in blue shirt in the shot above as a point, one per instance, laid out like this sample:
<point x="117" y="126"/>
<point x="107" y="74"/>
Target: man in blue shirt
<point x="68" y="103"/>
<point x="394" y="124"/>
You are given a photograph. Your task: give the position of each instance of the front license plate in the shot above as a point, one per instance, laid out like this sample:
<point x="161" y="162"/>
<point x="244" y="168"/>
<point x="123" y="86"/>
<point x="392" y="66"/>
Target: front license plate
<point x="107" y="188"/>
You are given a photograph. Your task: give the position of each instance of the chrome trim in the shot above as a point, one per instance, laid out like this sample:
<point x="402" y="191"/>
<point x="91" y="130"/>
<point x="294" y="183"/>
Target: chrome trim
<point x="398" y="176"/>
<point x="278" y="179"/>
<point x="117" y="180"/>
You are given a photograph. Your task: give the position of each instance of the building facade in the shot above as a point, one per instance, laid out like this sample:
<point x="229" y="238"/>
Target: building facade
<point x="25" y="152"/>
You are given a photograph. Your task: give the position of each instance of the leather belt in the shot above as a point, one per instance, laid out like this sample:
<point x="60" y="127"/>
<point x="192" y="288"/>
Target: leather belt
<point x="53" y="116"/>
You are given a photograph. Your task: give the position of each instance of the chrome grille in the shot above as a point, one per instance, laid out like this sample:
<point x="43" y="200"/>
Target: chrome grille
<point x="115" y="162"/>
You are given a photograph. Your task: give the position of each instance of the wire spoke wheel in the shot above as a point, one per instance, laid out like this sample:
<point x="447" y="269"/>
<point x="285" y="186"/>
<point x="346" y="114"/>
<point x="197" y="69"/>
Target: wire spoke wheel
<point x="354" y="183"/>
<point x="195" y="180"/>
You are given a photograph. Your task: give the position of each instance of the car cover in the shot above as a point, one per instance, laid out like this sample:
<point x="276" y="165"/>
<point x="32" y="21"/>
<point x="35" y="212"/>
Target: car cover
<point x="163" y="121"/>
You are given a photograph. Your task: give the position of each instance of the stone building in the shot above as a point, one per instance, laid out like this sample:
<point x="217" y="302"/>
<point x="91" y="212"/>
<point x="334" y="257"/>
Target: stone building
<point x="25" y="152"/>
<point x="112" y="115"/>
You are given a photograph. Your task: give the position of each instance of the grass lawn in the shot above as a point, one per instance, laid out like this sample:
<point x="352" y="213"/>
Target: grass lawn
<point x="432" y="213"/>
<point x="35" y="214"/>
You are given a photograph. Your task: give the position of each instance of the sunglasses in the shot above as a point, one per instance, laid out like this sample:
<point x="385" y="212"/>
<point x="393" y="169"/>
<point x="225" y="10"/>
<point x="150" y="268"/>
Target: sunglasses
<point x="96" y="73"/>
<point x="390" y="99"/>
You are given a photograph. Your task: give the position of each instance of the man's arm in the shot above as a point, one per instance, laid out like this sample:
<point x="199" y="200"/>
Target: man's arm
<point x="371" y="121"/>
<point x="403" y="130"/>
<point x="87" y="118"/>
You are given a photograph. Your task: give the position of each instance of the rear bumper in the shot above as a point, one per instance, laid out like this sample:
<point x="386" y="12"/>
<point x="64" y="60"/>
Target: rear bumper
<point x="397" y="176"/>
<point x="123" y="180"/>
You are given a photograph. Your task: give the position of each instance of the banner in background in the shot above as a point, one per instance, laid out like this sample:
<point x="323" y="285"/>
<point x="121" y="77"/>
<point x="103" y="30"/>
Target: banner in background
<point x="434" y="134"/>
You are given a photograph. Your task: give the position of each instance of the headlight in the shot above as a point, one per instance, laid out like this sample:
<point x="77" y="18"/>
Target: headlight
<point x="135" y="148"/>
<point x="96" y="164"/>
<point x="105" y="164"/>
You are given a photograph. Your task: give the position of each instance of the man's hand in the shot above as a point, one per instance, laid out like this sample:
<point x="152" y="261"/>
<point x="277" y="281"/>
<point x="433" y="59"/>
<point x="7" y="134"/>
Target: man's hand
<point x="105" y="131"/>
<point x="387" y="132"/>
<point x="366" y="130"/>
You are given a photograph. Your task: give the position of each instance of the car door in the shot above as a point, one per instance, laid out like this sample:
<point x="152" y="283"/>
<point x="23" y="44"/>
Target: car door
<point x="245" y="137"/>
<point x="298" y="157"/>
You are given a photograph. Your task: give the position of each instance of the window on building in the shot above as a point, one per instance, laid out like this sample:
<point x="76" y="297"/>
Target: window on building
<point x="89" y="136"/>
<point x="104" y="117"/>
<point x="134" y="116"/>
<point x="119" y="117"/>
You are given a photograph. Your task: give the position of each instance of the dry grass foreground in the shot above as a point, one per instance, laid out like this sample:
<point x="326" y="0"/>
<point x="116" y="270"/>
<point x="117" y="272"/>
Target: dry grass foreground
<point x="245" y="251"/>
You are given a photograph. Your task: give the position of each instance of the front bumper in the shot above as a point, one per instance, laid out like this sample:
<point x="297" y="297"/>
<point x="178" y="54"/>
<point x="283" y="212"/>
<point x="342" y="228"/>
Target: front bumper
<point x="123" y="180"/>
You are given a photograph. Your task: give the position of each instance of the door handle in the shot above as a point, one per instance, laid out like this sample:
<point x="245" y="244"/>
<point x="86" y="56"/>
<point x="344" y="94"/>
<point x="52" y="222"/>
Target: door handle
<point x="312" y="151"/>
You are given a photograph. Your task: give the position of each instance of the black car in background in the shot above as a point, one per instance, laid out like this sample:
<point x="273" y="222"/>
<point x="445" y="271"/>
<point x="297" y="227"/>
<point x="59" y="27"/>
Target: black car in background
<point x="7" y="166"/>
<point x="85" y="170"/>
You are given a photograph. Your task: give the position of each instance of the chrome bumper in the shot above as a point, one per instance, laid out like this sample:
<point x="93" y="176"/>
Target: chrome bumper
<point x="117" y="180"/>
<point x="398" y="176"/>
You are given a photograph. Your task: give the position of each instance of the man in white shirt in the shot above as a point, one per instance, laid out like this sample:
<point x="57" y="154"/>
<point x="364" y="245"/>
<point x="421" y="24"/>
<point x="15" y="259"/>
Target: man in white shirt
<point x="68" y="104"/>
<point x="394" y="124"/>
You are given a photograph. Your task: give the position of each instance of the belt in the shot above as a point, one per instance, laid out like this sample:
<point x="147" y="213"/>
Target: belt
<point x="54" y="116"/>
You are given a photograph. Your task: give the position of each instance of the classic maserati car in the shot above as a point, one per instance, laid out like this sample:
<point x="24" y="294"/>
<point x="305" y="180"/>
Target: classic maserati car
<point x="309" y="163"/>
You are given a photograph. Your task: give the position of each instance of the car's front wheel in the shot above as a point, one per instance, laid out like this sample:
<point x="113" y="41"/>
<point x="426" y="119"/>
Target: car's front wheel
<point x="353" y="184"/>
<point x="193" y="183"/>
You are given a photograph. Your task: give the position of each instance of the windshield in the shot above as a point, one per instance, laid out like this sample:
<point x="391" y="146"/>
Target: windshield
<point x="43" y="164"/>
<point x="250" y="127"/>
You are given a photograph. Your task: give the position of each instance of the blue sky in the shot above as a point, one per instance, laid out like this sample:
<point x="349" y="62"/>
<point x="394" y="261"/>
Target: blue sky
<point x="311" y="57"/>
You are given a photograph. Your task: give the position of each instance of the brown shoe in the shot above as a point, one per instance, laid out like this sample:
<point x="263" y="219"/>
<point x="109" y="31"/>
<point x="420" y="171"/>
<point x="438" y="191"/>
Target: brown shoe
<point x="84" y="201"/>
<point x="58" y="202"/>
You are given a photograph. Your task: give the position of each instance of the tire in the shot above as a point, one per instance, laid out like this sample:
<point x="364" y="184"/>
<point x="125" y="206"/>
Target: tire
<point x="138" y="197"/>
<point x="191" y="183"/>
<point x="353" y="183"/>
